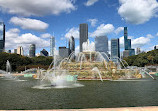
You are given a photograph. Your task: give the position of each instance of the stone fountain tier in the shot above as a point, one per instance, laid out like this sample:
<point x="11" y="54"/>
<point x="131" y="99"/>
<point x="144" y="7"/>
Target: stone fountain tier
<point x="108" y="71"/>
<point x="90" y="65"/>
<point x="90" y="56"/>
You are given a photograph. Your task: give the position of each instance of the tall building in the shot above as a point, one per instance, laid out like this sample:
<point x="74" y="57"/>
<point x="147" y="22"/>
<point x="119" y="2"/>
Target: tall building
<point x="156" y="47"/>
<point x="44" y="52"/>
<point x="71" y="45"/>
<point x="8" y="51"/>
<point x="125" y="38"/>
<point x="15" y="51"/>
<point x="52" y="46"/>
<point x="138" y="51"/>
<point x="127" y="44"/>
<point x="20" y="50"/>
<point x="101" y="44"/>
<point x="115" y="48"/>
<point x="63" y="52"/>
<point x="126" y="53"/>
<point x="32" y="50"/>
<point x="83" y="34"/>
<point x="132" y="52"/>
<point x="2" y="37"/>
<point x="129" y="52"/>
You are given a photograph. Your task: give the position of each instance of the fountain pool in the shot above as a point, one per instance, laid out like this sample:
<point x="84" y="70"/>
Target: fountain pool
<point x="94" y="94"/>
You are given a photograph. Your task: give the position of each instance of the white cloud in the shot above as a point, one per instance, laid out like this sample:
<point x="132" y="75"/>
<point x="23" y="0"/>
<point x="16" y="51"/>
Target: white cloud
<point x="102" y="30"/>
<point x="137" y="11"/>
<point x="14" y="39"/>
<point x="37" y="7"/>
<point x="90" y="2"/>
<point x="121" y="40"/>
<point x="93" y="22"/>
<point x="62" y="38"/>
<point x="137" y="42"/>
<point x="45" y="36"/>
<point x="149" y="36"/>
<point x="31" y="24"/>
<point x="72" y="32"/>
<point x="157" y="34"/>
<point x="118" y="30"/>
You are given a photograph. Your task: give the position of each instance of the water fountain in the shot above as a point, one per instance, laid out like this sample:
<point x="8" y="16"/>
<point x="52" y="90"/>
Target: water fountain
<point x="96" y="70"/>
<point x="8" y="75"/>
<point x="89" y="59"/>
<point x="83" y="66"/>
<point x="56" y="77"/>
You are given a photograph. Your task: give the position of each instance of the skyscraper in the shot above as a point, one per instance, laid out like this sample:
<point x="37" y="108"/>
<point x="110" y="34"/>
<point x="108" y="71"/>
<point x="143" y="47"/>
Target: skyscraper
<point x="155" y="47"/>
<point x="71" y="45"/>
<point x="20" y="50"/>
<point x="132" y="52"/>
<point x="101" y="44"/>
<point x="15" y="51"/>
<point x="125" y="38"/>
<point x="138" y="51"/>
<point x="63" y="52"/>
<point x="126" y="53"/>
<point x="2" y="37"/>
<point x="127" y="44"/>
<point x="115" y="48"/>
<point x="44" y="52"/>
<point x="83" y="34"/>
<point x="52" y="46"/>
<point x="32" y="50"/>
<point x="129" y="52"/>
<point x="8" y="51"/>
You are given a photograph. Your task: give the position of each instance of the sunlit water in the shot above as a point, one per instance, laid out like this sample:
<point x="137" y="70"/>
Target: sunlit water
<point x="94" y="94"/>
<point x="49" y="86"/>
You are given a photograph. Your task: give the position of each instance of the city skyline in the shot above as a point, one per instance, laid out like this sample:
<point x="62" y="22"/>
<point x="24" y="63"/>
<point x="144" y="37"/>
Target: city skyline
<point x="106" y="19"/>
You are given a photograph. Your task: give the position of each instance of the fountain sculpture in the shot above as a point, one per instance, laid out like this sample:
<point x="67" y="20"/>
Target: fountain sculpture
<point x="86" y="65"/>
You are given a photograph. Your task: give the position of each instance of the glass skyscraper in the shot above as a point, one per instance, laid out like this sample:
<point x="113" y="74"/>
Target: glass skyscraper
<point x="44" y="52"/>
<point x="32" y="50"/>
<point x="101" y="44"/>
<point x="2" y="37"/>
<point x="127" y="44"/>
<point x="52" y="46"/>
<point x="125" y="38"/>
<point x="63" y="52"/>
<point x="71" y="44"/>
<point x="83" y="34"/>
<point x="115" y="48"/>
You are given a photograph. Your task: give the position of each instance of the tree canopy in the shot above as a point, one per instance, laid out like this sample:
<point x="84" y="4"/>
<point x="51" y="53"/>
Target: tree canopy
<point x="19" y="62"/>
<point x="142" y="59"/>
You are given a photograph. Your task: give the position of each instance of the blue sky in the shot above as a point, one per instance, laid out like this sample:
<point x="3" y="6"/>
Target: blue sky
<point x="35" y="21"/>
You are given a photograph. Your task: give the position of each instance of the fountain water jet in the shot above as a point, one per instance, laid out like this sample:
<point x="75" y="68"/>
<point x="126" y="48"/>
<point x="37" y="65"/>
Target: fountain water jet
<point x="95" y="69"/>
<point x="56" y="77"/>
